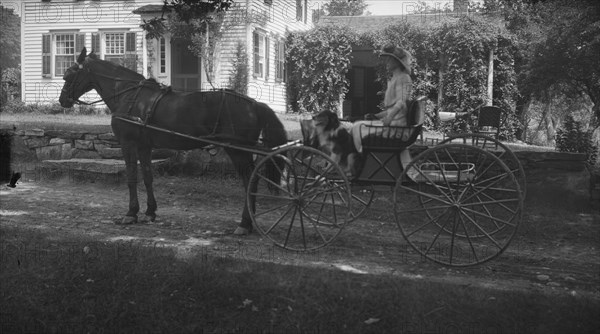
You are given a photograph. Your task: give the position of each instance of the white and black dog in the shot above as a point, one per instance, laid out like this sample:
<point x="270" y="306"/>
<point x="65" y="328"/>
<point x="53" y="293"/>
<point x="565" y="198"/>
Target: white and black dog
<point x="326" y="133"/>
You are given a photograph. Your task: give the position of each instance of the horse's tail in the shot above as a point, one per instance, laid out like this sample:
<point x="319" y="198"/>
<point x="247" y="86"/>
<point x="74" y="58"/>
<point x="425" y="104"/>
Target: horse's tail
<point x="273" y="134"/>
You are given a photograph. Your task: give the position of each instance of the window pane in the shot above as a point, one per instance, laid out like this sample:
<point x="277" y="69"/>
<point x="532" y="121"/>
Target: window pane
<point x="62" y="64"/>
<point x="114" y="43"/>
<point x="65" y="44"/>
<point x="163" y="56"/>
<point x="119" y="60"/>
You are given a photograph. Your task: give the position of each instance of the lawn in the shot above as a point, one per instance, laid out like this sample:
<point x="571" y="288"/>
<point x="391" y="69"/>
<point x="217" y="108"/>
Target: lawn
<point x="90" y="286"/>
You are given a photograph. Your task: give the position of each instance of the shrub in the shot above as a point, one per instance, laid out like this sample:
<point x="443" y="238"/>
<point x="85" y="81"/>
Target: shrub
<point x="573" y="138"/>
<point x="238" y="78"/>
<point x="20" y="107"/>
<point x="321" y="59"/>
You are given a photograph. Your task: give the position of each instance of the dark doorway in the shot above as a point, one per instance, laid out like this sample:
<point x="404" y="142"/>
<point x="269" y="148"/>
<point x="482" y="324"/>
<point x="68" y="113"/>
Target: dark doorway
<point x="185" y="67"/>
<point x="362" y="96"/>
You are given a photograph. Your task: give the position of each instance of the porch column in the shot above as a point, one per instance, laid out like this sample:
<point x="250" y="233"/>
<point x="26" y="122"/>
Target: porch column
<point x="490" y="80"/>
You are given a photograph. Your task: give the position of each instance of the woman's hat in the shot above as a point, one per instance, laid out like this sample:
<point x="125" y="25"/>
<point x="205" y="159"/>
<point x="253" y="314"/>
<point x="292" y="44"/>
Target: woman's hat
<point x="399" y="54"/>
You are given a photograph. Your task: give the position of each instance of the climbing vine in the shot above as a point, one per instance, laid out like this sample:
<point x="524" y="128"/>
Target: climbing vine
<point x="321" y="59"/>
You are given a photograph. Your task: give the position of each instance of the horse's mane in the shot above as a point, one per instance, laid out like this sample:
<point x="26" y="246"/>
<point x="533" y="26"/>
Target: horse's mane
<point x="116" y="67"/>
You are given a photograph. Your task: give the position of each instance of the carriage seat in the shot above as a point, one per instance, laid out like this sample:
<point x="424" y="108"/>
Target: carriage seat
<point x="395" y="138"/>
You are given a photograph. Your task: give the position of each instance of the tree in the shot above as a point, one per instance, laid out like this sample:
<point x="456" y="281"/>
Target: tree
<point x="200" y="21"/>
<point x="557" y="54"/>
<point x="10" y="54"/>
<point x="10" y="43"/>
<point x="345" y="7"/>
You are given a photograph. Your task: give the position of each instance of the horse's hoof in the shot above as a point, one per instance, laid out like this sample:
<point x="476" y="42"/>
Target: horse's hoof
<point x="241" y="231"/>
<point x="148" y="218"/>
<point x="128" y="220"/>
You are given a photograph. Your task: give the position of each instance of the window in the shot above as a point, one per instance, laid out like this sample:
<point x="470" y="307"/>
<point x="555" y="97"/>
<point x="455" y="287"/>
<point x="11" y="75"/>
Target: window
<point x="114" y="47"/>
<point x="260" y="44"/>
<point x="59" y="52"/>
<point x="280" y="70"/>
<point x="301" y="10"/>
<point x="162" y="56"/>
<point x="119" y="48"/>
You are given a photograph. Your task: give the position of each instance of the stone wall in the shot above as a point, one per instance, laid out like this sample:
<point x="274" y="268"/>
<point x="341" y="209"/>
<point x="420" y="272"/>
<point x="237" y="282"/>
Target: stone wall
<point x="39" y="144"/>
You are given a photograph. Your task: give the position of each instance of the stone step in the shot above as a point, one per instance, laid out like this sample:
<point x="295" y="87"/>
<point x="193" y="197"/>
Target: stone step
<point x="91" y="170"/>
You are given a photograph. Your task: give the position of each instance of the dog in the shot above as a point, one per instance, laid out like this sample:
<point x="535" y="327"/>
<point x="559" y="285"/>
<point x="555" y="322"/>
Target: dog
<point x="326" y="132"/>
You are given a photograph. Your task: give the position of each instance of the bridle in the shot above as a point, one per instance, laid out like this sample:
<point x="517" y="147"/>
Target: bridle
<point x="81" y="67"/>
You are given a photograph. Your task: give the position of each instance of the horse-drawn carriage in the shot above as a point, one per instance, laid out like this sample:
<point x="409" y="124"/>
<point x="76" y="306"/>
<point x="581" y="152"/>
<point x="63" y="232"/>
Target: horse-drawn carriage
<point x="455" y="203"/>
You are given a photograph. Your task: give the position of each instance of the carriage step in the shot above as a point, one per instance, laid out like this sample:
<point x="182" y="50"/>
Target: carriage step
<point x="88" y="170"/>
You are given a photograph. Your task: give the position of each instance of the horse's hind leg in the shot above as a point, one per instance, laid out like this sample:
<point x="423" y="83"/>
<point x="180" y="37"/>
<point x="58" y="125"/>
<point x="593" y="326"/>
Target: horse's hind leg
<point x="145" y="154"/>
<point x="244" y="165"/>
<point x="130" y="155"/>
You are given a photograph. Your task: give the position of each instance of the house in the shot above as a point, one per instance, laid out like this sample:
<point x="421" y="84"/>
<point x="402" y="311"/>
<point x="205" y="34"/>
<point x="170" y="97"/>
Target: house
<point x="54" y="32"/>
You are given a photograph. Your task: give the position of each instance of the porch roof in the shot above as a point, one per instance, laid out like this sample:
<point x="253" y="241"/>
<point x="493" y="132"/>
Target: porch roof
<point x="362" y="24"/>
<point x="149" y="9"/>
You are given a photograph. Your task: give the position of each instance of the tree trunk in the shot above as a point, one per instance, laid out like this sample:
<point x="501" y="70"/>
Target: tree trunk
<point x="440" y="99"/>
<point x="521" y="109"/>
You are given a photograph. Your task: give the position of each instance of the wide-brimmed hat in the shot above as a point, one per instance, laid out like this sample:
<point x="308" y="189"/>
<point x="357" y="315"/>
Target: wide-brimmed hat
<point x="399" y="54"/>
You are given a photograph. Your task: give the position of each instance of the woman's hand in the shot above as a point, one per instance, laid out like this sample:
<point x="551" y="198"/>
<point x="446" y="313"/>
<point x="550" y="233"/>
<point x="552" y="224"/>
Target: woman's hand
<point x="370" y="117"/>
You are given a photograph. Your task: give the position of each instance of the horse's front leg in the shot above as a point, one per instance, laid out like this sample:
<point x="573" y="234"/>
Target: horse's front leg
<point x="244" y="164"/>
<point x="130" y="155"/>
<point x="146" y="163"/>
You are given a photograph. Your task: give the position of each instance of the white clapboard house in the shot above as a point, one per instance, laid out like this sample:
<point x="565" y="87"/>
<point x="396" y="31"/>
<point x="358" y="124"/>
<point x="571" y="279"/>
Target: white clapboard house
<point x="54" y="32"/>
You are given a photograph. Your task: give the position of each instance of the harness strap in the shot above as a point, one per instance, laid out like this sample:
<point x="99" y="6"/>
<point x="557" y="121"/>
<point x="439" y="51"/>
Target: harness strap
<point x="148" y="116"/>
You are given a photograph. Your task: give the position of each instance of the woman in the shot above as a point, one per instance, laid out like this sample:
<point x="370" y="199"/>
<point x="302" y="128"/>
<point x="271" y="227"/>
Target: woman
<point x="397" y="93"/>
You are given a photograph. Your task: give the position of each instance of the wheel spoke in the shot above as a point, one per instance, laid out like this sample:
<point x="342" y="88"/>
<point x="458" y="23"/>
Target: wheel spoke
<point x="302" y="229"/>
<point x="271" y="209"/>
<point x="433" y="197"/>
<point x="279" y="220"/>
<point x="489" y="217"/>
<point x="434" y="220"/>
<point x="462" y="222"/>
<point x="274" y="184"/>
<point x="287" y="237"/>
<point x="484" y="232"/>
<point x="436" y="237"/>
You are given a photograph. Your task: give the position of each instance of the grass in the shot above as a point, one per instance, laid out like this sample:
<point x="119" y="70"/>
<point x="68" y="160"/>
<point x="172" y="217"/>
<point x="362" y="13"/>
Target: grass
<point x="51" y="286"/>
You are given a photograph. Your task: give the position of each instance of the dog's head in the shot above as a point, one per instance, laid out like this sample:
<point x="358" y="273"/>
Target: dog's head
<point x="315" y="129"/>
<point x="326" y="121"/>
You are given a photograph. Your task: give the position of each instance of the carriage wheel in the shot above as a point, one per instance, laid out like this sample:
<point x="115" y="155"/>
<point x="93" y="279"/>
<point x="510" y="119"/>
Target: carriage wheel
<point x="500" y="150"/>
<point x="465" y="207"/>
<point x="310" y="205"/>
<point x="362" y="197"/>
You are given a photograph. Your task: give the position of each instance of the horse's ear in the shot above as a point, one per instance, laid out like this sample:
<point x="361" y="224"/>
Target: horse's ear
<point x="92" y="55"/>
<point x="82" y="56"/>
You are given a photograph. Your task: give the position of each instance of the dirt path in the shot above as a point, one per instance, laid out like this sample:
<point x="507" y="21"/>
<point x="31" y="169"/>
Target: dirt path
<point x="197" y="216"/>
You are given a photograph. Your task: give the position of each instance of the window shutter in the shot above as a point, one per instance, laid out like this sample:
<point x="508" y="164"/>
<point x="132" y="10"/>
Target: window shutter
<point x="130" y="51"/>
<point x="79" y="44"/>
<point x="299" y="10"/>
<point x="46" y="55"/>
<point x="130" y="42"/>
<point x="267" y="58"/>
<point x="96" y="43"/>
<point x="255" y="51"/>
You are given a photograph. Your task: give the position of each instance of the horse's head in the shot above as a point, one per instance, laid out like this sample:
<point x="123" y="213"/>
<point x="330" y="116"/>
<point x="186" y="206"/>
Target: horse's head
<point x="77" y="81"/>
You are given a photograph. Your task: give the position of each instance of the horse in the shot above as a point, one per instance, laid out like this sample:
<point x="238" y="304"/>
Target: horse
<point x="221" y="115"/>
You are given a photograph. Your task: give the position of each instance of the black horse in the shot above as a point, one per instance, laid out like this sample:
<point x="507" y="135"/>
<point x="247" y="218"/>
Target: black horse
<point x="139" y="105"/>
